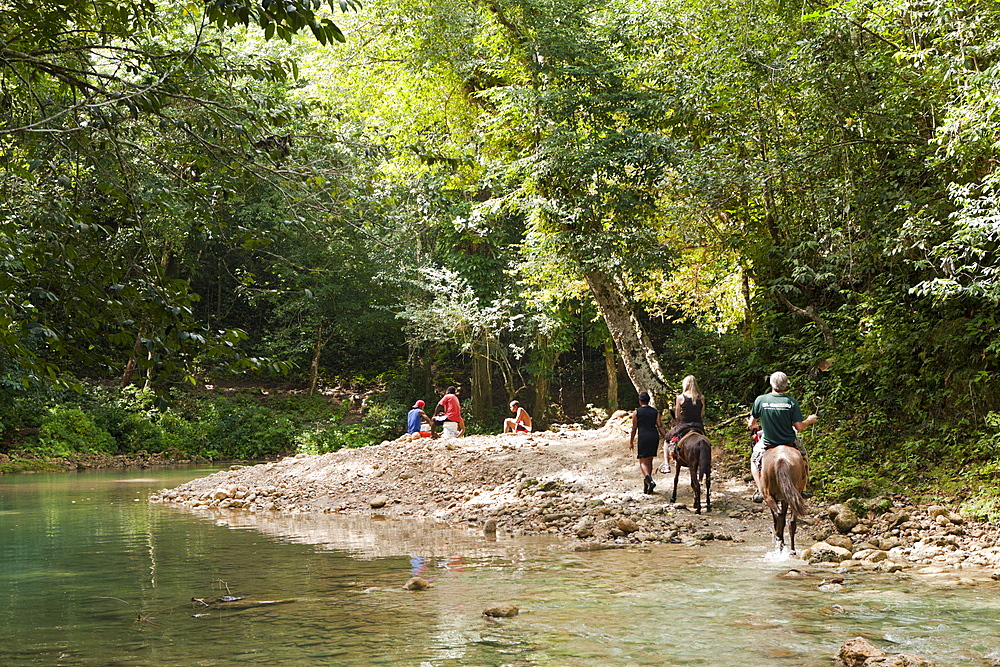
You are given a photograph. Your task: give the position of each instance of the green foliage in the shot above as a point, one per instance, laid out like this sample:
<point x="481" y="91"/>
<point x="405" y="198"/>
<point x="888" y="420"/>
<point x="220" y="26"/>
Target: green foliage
<point x="244" y="429"/>
<point x="69" y="430"/>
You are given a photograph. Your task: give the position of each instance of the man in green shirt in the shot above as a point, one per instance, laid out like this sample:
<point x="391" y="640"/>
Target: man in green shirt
<point x="780" y="420"/>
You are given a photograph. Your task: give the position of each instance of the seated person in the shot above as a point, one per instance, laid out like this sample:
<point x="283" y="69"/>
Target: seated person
<point x="416" y="418"/>
<point x="520" y="422"/>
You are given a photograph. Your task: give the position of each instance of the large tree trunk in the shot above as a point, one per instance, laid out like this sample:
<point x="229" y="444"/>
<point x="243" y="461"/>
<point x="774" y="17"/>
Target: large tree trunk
<point x="130" y="366"/>
<point x="611" y="368"/>
<point x="544" y="362"/>
<point x="482" y="383"/>
<point x="314" y="366"/>
<point x="631" y="339"/>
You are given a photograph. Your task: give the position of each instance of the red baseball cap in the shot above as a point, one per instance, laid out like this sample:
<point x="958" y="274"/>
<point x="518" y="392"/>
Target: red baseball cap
<point x="418" y="404"/>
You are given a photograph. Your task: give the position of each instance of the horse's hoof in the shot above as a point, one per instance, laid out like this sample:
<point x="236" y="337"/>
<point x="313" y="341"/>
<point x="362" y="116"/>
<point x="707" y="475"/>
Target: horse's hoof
<point x="697" y="511"/>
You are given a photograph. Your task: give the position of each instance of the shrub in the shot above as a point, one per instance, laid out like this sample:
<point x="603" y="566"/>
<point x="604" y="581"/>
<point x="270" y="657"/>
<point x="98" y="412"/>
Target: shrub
<point x="245" y="430"/>
<point x="70" y="430"/>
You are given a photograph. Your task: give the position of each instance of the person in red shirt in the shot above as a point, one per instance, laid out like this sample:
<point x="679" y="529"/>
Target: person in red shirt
<point x="450" y="406"/>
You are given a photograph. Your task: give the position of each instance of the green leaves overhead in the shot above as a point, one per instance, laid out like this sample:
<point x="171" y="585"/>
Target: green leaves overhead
<point x="282" y="18"/>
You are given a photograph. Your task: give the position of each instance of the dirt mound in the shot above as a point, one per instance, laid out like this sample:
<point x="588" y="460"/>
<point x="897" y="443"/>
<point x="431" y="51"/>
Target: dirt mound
<point x="578" y="483"/>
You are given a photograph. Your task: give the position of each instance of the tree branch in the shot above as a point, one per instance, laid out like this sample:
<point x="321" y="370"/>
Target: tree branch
<point x="809" y="313"/>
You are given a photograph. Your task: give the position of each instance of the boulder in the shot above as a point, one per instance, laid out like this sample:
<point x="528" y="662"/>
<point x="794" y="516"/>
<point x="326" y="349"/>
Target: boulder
<point x="841" y="541"/>
<point x="934" y="511"/>
<point x="416" y="584"/>
<point x="843" y="517"/>
<point x="501" y="610"/>
<point x="490" y="527"/>
<point x="378" y="502"/>
<point x="822" y="552"/>
<point x="627" y="525"/>
<point x="855" y="652"/>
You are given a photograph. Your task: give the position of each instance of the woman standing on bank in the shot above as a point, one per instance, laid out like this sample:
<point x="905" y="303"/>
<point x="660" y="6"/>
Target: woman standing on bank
<point x="647" y="425"/>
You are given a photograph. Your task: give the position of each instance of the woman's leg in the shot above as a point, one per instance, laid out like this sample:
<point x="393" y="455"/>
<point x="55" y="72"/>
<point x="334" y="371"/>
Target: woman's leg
<point x="646" y="466"/>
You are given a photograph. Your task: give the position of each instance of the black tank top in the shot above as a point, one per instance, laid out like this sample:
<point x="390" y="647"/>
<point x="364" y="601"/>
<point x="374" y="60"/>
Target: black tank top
<point x="690" y="409"/>
<point x="645" y="421"/>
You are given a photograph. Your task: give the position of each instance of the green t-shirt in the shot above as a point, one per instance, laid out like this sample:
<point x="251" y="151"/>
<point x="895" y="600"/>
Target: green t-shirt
<point x="776" y="414"/>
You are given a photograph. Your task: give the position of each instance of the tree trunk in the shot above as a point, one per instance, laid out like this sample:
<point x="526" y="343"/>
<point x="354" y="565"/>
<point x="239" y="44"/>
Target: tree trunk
<point x="544" y="362"/>
<point x="130" y="366"/>
<point x="314" y="366"/>
<point x="611" y="367"/>
<point x="631" y="339"/>
<point x="747" y="309"/>
<point x="482" y="383"/>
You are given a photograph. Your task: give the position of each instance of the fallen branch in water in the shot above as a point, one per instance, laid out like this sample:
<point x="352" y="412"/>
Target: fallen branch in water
<point x="139" y="618"/>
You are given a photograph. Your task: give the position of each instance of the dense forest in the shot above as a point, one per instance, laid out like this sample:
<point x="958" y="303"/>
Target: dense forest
<point x="559" y="201"/>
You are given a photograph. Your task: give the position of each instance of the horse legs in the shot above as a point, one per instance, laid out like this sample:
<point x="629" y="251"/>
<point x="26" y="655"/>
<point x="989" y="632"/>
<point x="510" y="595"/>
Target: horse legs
<point x="708" y="490"/>
<point x="779" y="525"/>
<point x="695" y="489"/>
<point x="791" y="532"/>
<point x="677" y="474"/>
<point x="778" y="511"/>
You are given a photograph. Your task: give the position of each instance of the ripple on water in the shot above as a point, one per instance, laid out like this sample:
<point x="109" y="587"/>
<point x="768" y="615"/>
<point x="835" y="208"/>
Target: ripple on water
<point x="718" y="605"/>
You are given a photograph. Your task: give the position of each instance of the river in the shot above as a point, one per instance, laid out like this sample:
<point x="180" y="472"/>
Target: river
<point x="93" y="574"/>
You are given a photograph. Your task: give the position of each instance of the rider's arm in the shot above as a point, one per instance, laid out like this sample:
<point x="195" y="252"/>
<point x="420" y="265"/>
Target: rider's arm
<point x="805" y="423"/>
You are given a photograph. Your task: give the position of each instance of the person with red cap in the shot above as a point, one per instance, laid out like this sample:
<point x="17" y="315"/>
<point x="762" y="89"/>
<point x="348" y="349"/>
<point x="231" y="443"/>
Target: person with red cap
<point x="416" y="417"/>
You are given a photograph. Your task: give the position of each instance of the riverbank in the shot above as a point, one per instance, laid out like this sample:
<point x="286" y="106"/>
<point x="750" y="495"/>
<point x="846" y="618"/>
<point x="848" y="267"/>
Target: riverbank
<point x="582" y="485"/>
<point x="27" y="462"/>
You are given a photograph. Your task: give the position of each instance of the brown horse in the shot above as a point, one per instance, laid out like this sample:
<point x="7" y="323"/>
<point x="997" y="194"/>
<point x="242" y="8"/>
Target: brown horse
<point x="783" y="479"/>
<point x="695" y="451"/>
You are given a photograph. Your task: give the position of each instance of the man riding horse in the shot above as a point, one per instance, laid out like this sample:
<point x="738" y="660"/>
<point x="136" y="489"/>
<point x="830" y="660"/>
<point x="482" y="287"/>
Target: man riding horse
<point x="780" y="419"/>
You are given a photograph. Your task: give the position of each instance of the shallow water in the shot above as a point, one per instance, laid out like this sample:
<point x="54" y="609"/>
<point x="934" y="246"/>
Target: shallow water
<point x="91" y="574"/>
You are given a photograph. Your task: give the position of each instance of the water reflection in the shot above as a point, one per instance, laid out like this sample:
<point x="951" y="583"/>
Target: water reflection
<point x="89" y="576"/>
<point x="376" y="537"/>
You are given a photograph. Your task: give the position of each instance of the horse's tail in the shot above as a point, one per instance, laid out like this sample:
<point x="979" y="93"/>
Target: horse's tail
<point x="788" y="489"/>
<point x="705" y="458"/>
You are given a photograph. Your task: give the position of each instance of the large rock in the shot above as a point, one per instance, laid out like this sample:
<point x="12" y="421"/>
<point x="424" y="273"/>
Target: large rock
<point x="416" y="584"/>
<point x="501" y="610"/>
<point x="627" y="525"/>
<point x="858" y="652"/>
<point x="843" y="517"/>
<point x="841" y="541"/>
<point x="855" y="652"/>
<point x="822" y="552"/>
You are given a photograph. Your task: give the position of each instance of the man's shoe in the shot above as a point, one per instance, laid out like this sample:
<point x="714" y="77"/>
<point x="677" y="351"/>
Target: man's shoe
<point x="758" y="497"/>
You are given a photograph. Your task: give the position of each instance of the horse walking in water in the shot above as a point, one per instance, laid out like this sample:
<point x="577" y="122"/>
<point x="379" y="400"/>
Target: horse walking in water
<point x="782" y="481"/>
<point x="695" y="451"/>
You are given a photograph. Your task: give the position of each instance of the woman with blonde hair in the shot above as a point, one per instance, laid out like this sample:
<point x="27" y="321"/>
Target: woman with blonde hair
<point x="689" y="415"/>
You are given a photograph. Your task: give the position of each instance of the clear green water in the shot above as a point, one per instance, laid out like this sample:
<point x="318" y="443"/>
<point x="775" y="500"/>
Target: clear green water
<point x="69" y="543"/>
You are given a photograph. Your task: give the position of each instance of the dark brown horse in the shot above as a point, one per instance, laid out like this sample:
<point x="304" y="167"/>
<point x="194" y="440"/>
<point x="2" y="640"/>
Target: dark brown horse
<point x="695" y="451"/>
<point x="782" y="480"/>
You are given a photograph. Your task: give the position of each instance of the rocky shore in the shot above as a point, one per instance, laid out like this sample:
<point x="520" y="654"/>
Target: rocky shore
<point x="582" y="485"/>
<point x="891" y="534"/>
